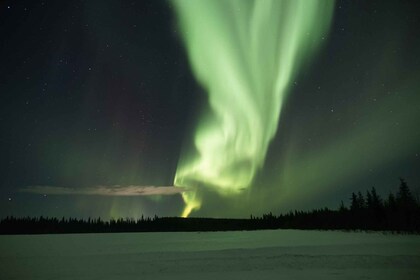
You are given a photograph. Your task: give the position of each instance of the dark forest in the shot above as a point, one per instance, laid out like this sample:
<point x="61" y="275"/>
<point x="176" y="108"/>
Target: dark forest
<point x="399" y="212"/>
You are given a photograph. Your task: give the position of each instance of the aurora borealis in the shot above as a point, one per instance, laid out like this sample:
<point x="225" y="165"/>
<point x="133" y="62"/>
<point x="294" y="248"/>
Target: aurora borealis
<point x="249" y="106"/>
<point x="244" y="54"/>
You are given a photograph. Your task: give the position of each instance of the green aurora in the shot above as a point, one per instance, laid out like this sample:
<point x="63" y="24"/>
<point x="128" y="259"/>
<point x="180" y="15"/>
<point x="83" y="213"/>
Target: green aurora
<point x="244" y="54"/>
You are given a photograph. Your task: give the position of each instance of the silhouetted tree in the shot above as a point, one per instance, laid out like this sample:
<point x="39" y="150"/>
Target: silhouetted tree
<point x="354" y="202"/>
<point x="391" y="202"/>
<point x="342" y="208"/>
<point x="376" y="199"/>
<point x="404" y="196"/>
<point x="368" y="200"/>
<point x="361" y="200"/>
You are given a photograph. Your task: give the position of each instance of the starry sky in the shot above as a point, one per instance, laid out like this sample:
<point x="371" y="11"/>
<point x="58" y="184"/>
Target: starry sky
<point x="104" y="104"/>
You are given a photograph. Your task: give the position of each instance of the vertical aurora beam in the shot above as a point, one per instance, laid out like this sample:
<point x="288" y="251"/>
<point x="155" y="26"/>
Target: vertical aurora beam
<point x="244" y="53"/>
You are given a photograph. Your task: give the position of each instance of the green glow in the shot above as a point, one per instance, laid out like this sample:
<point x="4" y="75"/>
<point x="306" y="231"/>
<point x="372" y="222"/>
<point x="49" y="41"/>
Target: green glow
<point x="245" y="55"/>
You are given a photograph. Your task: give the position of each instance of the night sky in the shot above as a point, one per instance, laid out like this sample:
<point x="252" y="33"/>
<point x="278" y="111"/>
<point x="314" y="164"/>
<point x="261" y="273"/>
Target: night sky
<point x="121" y="108"/>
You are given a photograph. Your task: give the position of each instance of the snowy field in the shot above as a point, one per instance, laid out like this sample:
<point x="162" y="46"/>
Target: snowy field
<point x="274" y="254"/>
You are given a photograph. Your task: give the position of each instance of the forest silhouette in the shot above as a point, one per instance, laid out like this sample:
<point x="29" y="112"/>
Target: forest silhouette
<point x="399" y="212"/>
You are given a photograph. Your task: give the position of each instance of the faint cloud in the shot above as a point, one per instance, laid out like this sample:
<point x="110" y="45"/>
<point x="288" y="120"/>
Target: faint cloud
<point x="115" y="190"/>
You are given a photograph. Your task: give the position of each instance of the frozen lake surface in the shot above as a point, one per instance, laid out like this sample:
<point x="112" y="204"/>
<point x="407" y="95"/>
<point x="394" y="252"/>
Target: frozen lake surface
<point x="271" y="254"/>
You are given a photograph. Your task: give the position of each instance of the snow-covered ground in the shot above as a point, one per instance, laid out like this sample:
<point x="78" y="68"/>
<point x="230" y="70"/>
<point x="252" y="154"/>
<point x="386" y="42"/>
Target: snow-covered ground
<point x="272" y="254"/>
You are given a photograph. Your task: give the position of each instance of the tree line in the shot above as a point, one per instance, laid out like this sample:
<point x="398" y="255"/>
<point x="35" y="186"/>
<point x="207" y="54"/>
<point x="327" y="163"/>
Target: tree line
<point x="399" y="212"/>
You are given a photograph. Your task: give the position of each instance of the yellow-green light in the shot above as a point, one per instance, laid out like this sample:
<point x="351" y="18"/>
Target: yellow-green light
<point x="245" y="55"/>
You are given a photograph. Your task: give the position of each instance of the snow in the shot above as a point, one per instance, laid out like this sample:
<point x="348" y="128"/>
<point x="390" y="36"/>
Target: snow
<point x="271" y="254"/>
